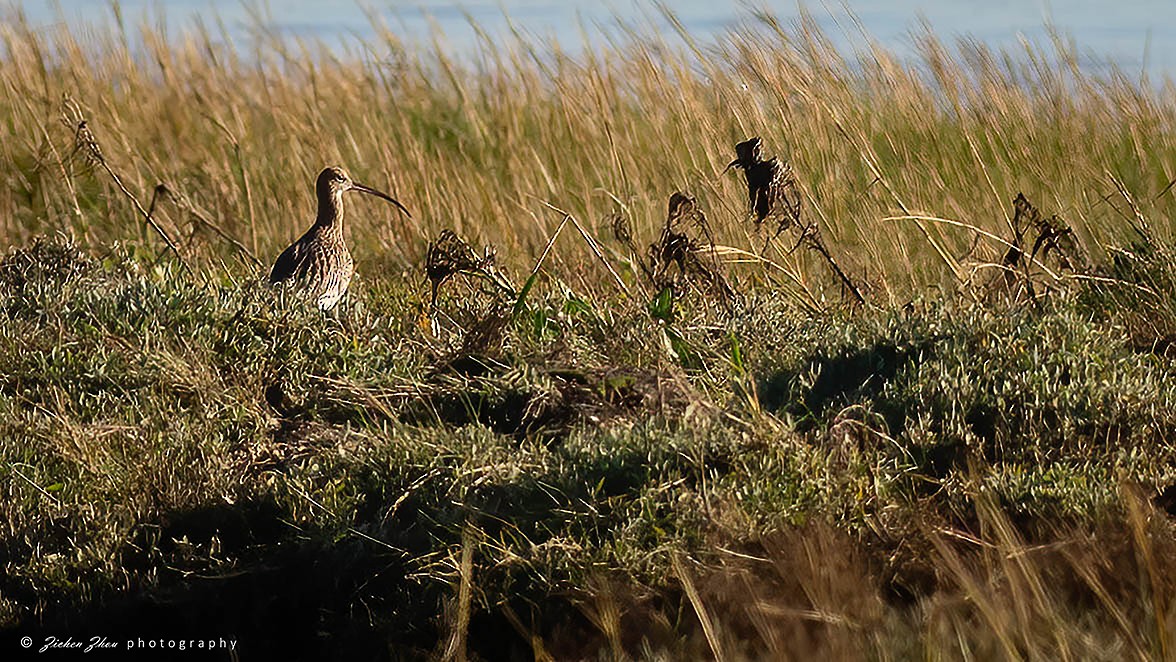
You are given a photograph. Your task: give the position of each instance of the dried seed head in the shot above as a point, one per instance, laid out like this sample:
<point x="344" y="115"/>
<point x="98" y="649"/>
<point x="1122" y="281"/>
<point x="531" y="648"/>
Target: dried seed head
<point x="1056" y="237"/>
<point x="85" y="145"/>
<point x="1025" y="215"/>
<point x="680" y="205"/>
<point x="684" y="212"/>
<point x="622" y="229"/>
<point x="449" y="255"/>
<point x="1053" y="234"/>
<point x="671" y="248"/>
<point x="676" y="246"/>
<point x="1019" y="277"/>
<point x="1023" y="209"/>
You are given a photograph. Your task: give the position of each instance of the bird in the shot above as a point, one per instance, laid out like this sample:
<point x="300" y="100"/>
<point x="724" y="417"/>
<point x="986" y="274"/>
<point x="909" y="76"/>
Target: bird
<point x="319" y="262"/>
<point x="771" y="186"/>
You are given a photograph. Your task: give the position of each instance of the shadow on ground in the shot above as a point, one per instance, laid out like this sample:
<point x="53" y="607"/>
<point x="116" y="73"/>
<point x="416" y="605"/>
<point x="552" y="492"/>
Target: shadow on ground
<point x="291" y="596"/>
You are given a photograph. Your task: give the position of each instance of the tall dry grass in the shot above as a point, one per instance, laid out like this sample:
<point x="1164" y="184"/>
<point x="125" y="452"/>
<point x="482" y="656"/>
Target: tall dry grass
<point x="1099" y="592"/>
<point x="479" y="143"/>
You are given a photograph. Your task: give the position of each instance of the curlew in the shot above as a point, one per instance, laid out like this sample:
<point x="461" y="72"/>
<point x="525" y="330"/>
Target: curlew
<point x="319" y="262"/>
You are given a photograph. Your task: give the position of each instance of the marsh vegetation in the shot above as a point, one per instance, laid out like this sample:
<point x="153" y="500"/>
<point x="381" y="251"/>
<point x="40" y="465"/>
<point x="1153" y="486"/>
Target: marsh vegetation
<point x="588" y="402"/>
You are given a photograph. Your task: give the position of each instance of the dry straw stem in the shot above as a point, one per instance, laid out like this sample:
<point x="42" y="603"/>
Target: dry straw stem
<point x="803" y="295"/>
<point x="202" y="217"/>
<point x="12" y="466"/>
<point x="352" y="530"/>
<point x="87" y="144"/>
<point x="818" y="243"/>
<point x="871" y="161"/>
<point x="979" y="231"/>
<point x="550" y="242"/>
<point x="593" y="245"/>
<point x="244" y="187"/>
<point x="704" y="618"/>
<point x="1013" y="587"/>
<point x="1139" y="512"/>
<point x="538" y="650"/>
<point x="456" y="650"/>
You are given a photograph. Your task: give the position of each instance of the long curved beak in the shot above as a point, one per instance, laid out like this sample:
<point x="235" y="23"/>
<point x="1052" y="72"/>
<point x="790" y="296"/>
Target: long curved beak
<point x="729" y="166"/>
<point x="379" y="194"/>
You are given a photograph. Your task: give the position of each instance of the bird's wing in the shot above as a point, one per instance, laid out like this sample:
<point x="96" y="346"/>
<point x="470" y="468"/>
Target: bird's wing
<point x="287" y="263"/>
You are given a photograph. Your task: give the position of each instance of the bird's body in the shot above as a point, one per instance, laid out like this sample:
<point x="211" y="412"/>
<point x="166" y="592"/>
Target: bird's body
<point x="319" y="263"/>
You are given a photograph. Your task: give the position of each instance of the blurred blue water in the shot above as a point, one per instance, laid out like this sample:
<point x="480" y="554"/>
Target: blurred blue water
<point x="1136" y="35"/>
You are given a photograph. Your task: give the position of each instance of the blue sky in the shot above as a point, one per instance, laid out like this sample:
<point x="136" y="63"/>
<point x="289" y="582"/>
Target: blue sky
<point x="1131" y="33"/>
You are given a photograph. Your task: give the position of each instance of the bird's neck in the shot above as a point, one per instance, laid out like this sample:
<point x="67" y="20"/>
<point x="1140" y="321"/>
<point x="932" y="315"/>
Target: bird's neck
<point x="330" y="211"/>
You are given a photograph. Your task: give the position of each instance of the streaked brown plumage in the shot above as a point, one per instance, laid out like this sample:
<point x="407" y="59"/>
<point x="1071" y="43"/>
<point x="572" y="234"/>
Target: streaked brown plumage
<point x="319" y="262"/>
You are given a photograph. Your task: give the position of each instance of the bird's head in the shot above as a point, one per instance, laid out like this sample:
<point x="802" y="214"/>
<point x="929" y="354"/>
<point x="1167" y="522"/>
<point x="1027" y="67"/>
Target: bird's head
<point x="333" y="182"/>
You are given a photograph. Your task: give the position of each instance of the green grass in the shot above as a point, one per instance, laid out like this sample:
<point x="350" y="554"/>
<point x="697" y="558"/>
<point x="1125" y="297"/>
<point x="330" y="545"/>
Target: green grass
<point x="976" y="462"/>
<point x="162" y="436"/>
